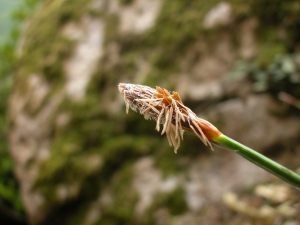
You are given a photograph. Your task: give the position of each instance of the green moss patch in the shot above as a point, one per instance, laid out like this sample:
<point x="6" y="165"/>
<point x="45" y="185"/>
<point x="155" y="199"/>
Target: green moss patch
<point x="44" y="41"/>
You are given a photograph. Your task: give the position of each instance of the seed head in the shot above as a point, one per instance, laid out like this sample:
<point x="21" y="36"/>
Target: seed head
<point x="167" y="109"/>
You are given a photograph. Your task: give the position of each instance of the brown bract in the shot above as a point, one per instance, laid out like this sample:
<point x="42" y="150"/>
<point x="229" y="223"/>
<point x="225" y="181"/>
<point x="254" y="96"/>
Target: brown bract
<point x="167" y="109"/>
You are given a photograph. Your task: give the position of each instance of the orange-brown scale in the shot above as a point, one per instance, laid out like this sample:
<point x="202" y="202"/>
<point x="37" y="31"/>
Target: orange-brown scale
<point x="210" y="131"/>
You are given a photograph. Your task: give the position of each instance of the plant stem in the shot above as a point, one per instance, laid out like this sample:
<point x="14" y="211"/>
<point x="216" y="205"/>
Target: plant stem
<point x="260" y="160"/>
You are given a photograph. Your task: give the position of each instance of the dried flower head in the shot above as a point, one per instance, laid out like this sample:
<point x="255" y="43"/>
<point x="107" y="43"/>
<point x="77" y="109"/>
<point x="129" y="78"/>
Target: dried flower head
<point x="167" y="109"/>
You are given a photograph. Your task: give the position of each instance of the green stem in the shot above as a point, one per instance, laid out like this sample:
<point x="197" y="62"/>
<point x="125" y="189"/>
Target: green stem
<point x="260" y="160"/>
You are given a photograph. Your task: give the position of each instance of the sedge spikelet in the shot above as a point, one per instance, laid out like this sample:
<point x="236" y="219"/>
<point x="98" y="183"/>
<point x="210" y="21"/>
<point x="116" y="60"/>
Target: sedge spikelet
<point x="167" y="109"/>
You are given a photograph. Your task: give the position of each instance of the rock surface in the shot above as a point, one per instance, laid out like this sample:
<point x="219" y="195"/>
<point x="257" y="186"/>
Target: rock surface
<point x="80" y="159"/>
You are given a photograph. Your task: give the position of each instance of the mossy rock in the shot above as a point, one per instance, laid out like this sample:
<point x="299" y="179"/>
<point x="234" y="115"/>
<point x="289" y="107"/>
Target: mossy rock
<point x="82" y="149"/>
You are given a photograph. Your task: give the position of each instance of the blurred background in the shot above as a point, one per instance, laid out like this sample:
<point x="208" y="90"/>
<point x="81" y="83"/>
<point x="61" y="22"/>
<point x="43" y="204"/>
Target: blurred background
<point x="71" y="155"/>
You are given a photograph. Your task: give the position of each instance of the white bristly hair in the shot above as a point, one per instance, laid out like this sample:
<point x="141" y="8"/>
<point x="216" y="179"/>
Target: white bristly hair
<point x="165" y="108"/>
